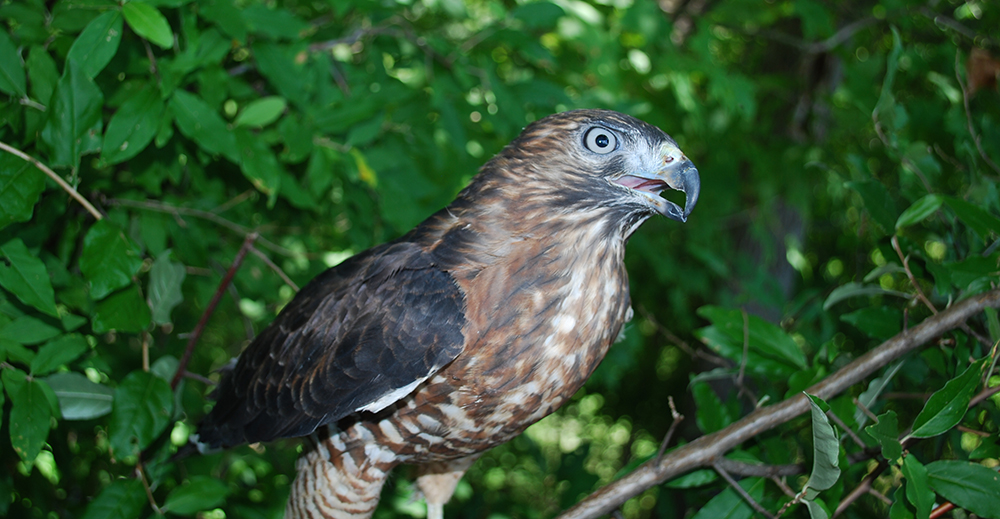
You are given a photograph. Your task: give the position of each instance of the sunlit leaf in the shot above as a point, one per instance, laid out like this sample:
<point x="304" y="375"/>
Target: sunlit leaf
<point x="79" y="398"/>
<point x="142" y="407"/>
<point x="24" y="275"/>
<point x="946" y="407"/>
<point x="968" y="485"/>
<point x="261" y="112"/>
<point x="148" y="23"/>
<point x="919" y="211"/>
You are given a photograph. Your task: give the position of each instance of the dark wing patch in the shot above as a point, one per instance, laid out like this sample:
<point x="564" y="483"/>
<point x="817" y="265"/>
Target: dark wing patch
<point x="374" y="324"/>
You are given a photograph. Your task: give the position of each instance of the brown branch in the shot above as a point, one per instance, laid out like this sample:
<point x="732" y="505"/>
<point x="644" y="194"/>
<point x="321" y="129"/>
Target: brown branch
<point x="707" y="450"/>
<point x="210" y="309"/>
<point x="52" y="174"/>
<point x="909" y="274"/>
<point x="678" y="418"/>
<point x="281" y="273"/>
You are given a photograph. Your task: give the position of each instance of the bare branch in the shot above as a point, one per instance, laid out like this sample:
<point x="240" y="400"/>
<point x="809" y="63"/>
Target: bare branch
<point x="707" y="450"/>
<point x="743" y="493"/>
<point x="678" y="418"/>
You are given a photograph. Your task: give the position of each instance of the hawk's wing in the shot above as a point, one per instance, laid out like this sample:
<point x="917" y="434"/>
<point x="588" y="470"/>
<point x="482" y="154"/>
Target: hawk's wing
<point x="358" y="337"/>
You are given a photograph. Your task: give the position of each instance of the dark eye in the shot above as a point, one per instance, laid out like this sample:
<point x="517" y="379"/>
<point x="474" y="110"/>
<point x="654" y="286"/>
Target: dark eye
<point x="600" y="140"/>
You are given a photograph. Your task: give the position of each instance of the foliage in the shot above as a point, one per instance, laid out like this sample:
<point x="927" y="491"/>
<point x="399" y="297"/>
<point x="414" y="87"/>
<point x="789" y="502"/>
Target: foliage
<point x="850" y="190"/>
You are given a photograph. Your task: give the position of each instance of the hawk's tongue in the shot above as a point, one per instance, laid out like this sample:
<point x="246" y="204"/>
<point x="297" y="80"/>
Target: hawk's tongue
<point x="642" y="184"/>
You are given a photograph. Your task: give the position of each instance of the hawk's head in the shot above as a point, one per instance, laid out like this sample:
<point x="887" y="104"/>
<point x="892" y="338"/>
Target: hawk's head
<point x="593" y="159"/>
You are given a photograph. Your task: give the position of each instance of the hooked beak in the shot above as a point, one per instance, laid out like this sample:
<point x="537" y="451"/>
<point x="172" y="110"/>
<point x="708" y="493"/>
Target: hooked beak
<point x="676" y="173"/>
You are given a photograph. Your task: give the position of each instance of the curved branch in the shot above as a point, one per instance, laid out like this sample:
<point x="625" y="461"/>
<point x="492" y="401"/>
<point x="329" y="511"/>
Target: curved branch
<point x="52" y="174"/>
<point x="707" y="450"/>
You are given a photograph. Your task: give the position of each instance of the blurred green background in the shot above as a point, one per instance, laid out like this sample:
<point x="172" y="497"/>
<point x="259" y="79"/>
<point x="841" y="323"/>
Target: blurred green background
<point x="822" y="130"/>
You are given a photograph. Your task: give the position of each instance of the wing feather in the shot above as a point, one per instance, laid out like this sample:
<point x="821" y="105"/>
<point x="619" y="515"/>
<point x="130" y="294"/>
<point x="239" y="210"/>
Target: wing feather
<point x="358" y="337"/>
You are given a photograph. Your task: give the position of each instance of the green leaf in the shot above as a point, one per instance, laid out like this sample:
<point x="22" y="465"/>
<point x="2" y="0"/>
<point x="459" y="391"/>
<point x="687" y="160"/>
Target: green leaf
<point x="898" y="510"/>
<point x="20" y="186"/>
<point x="42" y="74"/>
<point x="980" y="221"/>
<point x="886" y="433"/>
<point x="197" y="494"/>
<point x="538" y="15"/>
<point x="109" y="259"/>
<point x="74" y="125"/>
<point x="967" y="485"/>
<point x="729" y="505"/>
<point x="202" y="124"/>
<point x="29" y="414"/>
<point x="853" y="289"/>
<point x="917" y="492"/>
<point x="868" y="397"/>
<point x="57" y="353"/>
<point x="878" y="202"/>
<point x="24" y="275"/>
<point x="165" y="280"/>
<point x="141" y="411"/>
<point x="711" y="415"/>
<point x="124" y="311"/>
<point x="763" y="336"/>
<point x="259" y="164"/>
<point x="97" y="44"/>
<point x="261" y="112"/>
<point x="946" y="407"/>
<point x="122" y="499"/>
<point x="12" y="76"/>
<point x="28" y="330"/>
<point x="878" y="322"/>
<point x="79" y="398"/>
<point x="919" y="211"/>
<point x="149" y="23"/>
<point x="826" y="449"/>
<point x="133" y="125"/>
<point x="816" y="509"/>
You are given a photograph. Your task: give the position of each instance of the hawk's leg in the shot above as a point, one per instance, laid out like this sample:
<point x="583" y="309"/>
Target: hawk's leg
<point x="337" y="480"/>
<point x="437" y="481"/>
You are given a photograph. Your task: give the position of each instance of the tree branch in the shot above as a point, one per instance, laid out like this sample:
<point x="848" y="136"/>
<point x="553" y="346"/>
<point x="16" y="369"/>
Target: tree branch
<point x="707" y="450"/>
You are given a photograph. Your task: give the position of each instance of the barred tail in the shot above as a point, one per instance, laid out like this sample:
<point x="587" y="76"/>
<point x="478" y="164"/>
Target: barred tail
<point x="337" y="482"/>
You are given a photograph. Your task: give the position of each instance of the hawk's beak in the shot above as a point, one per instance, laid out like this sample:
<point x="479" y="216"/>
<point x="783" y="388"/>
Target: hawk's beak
<point x="676" y="173"/>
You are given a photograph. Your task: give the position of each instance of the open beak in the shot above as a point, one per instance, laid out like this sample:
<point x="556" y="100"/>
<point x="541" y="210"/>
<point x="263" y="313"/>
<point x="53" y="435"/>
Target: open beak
<point x="679" y="174"/>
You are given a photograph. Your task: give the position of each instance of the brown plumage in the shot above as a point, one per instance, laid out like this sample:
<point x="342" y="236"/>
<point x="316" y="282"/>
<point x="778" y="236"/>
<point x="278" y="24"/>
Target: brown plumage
<point x="454" y="338"/>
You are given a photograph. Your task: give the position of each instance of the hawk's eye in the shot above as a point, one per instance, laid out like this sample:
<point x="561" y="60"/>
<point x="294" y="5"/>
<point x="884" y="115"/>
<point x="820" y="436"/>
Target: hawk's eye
<point x="600" y="140"/>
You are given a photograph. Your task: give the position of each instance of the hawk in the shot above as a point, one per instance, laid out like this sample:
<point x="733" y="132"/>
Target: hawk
<point x="454" y="338"/>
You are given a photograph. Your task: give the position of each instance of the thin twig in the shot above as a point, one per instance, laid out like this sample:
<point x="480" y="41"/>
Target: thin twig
<point x="681" y="343"/>
<point x="678" y="418"/>
<point x="141" y="472"/>
<point x="909" y="274"/>
<point x="178" y="211"/>
<point x="746" y="352"/>
<point x="743" y="493"/>
<point x="281" y="273"/>
<point x="189" y="349"/>
<point x="145" y="351"/>
<point x="847" y="430"/>
<point x="52" y="174"/>
<point x="968" y="116"/>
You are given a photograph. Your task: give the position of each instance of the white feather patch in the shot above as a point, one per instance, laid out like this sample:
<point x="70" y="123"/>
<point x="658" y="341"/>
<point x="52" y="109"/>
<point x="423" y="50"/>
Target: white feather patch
<point x="391" y="397"/>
